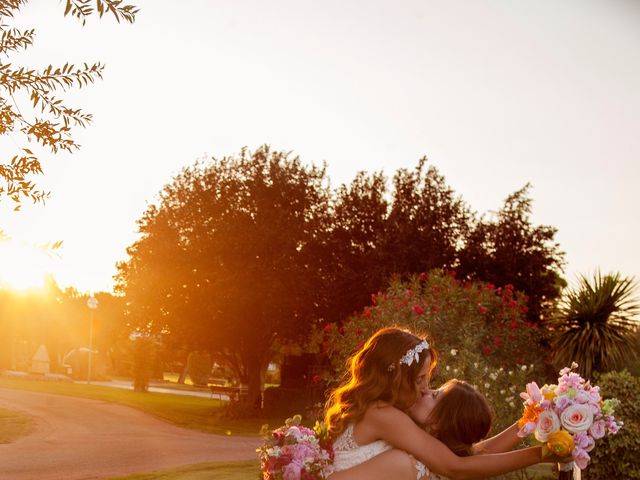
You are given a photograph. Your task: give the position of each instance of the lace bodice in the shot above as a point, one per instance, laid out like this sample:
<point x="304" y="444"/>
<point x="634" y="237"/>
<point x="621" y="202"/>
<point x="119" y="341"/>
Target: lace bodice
<point x="348" y="453"/>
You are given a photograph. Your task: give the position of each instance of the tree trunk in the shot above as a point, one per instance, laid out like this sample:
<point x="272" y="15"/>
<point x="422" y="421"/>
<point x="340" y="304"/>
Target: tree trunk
<point x="183" y="375"/>
<point x="255" y="385"/>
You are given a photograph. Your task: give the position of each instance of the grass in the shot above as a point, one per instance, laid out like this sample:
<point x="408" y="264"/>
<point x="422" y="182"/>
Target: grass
<point x="13" y="425"/>
<point x="203" y="471"/>
<point x="250" y="470"/>
<point x="197" y="413"/>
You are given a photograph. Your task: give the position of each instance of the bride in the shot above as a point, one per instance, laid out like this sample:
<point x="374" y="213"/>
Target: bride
<point x="375" y="437"/>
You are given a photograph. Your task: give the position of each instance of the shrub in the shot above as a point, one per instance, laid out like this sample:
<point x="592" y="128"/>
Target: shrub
<point x="616" y="456"/>
<point x="199" y="368"/>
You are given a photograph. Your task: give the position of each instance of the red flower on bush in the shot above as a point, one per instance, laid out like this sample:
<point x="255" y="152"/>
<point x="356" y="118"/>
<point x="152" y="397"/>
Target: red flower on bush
<point x="418" y="310"/>
<point x="497" y="341"/>
<point x="482" y="309"/>
<point x="514" y="324"/>
<point x="316" y="378"/>
<point x="328" y="327"/>
<point x="486" y="350"/>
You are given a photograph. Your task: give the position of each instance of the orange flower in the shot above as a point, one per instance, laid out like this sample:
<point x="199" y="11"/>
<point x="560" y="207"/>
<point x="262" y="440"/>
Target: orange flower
<point x="530" y="414"/>
<point x="560" y="443"/>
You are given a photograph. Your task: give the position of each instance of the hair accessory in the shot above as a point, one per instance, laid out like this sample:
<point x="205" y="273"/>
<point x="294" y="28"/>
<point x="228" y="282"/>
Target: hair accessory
<point x="414" y="353"/>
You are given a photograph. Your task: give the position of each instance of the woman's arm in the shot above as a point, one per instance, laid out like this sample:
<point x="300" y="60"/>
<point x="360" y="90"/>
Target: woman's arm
<point x="393" y="463"/>
<point x="399" y="430"/>
<point x="505" y="441"/>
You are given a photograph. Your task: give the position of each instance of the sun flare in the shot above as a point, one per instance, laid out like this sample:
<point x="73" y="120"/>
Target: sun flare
<point x="23" y="266"/>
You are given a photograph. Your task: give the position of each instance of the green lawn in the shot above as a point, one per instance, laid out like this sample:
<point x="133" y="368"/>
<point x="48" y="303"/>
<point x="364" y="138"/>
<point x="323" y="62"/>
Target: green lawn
<point x="196" y="413"/>
<point x="13" y="425"/>
<point x="247" y="470"/>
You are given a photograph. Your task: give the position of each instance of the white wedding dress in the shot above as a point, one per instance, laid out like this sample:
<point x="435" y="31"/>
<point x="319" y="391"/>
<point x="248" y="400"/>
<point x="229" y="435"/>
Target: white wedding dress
<point x="349" y="454"/>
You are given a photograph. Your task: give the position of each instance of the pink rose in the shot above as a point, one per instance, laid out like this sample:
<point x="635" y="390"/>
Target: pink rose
<point x="580" y="457"/>
<point x="577" y="418"/>
<point x="548" y="422"/>
<point x="597" y="430"/>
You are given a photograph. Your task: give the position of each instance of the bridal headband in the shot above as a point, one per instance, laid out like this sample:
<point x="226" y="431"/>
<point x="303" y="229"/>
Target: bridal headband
<point x="412" y="355"/>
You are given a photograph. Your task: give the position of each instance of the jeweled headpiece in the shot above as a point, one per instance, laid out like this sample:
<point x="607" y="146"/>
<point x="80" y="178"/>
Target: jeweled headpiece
<point x="412" y="355"/>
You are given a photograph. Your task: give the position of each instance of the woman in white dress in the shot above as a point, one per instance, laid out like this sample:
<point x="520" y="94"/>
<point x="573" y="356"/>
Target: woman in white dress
<point x="375" y="438"/>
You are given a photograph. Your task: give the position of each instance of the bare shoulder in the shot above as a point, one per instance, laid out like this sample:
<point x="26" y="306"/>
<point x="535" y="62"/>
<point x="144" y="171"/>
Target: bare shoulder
<point x="383" y="413"/>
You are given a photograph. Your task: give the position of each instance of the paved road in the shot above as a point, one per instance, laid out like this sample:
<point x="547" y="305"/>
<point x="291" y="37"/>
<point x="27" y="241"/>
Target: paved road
<point x="79" y="439"/>
<point x="155" y="389"/>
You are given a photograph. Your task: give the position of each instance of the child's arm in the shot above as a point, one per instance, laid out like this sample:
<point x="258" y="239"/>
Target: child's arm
<point x="399" y="430"/>
<point x="505" y="441"/>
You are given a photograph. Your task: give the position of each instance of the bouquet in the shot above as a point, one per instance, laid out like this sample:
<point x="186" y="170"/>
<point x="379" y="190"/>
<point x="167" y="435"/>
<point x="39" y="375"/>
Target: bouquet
<point x="295" y="452"/>
<point x="568" y="417"/>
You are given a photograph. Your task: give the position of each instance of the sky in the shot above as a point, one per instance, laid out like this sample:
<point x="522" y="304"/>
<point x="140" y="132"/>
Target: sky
<point x="496" y="94"/>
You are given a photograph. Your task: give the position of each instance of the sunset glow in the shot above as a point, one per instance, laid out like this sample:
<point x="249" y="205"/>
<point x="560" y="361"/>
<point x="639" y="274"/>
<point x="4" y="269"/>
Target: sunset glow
<point x="24" y="266"/>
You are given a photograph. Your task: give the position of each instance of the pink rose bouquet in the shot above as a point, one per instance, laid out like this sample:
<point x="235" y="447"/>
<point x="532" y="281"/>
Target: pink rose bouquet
<point x="573" y="407"/>
<point x="295" y="452"/>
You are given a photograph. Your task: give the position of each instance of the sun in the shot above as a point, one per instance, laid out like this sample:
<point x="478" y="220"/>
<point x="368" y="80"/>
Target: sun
<point x="23" y="266"/>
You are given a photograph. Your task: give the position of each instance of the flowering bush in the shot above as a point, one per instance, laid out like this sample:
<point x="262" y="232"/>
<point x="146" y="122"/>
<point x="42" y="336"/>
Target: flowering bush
<point x="479" y="330"/>
<point x="568" y="417"/>
<point x="295" y="452"/>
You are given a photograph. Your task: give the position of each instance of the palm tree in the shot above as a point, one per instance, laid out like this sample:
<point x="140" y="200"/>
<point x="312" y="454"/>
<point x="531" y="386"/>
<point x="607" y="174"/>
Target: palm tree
<point x="597" y="325"/>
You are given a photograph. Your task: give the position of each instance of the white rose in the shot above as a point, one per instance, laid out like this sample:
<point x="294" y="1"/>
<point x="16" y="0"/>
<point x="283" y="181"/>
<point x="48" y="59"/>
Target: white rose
<point x="577" y="418"/>
<point x="548" y="422"/>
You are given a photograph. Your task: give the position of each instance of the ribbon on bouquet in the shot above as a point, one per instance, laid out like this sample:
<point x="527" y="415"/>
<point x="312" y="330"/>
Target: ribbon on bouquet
<point x="569" y="471"/>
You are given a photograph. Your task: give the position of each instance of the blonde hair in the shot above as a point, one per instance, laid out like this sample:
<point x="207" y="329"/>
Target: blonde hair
<point x="376" y="374"/>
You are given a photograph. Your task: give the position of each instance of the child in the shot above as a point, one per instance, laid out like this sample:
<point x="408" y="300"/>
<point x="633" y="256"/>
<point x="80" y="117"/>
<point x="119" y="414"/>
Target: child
<point x="456" y="414"/>
<point x="374" y="437"/>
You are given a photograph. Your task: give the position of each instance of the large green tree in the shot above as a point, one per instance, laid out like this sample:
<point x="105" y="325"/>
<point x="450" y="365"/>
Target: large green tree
<point x="230" y="259"/>
<point x="510" y="249"/>
<point x="31" y="110"/>
<point x="358" y="264"/>
<point x="426" y="223"/>
<point x="597" y="324"/>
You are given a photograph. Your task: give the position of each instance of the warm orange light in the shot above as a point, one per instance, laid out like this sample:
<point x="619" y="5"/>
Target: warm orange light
<point x="23" y="266"/>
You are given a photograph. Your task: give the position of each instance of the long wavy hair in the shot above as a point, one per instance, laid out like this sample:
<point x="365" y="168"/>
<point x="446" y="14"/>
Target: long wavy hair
<point x="376" y="374"/>
<point x="461" y="417"/>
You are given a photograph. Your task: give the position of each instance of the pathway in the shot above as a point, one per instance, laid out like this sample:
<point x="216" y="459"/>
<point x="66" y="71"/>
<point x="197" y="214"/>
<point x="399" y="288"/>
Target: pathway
<point x="78" y="439"/>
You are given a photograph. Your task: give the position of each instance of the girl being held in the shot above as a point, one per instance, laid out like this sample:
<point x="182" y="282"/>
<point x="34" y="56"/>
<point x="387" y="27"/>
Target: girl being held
<point x="375" y="438"/>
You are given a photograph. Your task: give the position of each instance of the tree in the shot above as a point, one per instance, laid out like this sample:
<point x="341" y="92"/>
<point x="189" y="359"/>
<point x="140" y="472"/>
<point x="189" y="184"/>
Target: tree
<point x="44" y="119"/>
<point x="597" y="325"/>
<point x="229" y="259"/>
<point x="356" y="245"/>
<point x="511" y="250"/>
<point x="426" y="224"/>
